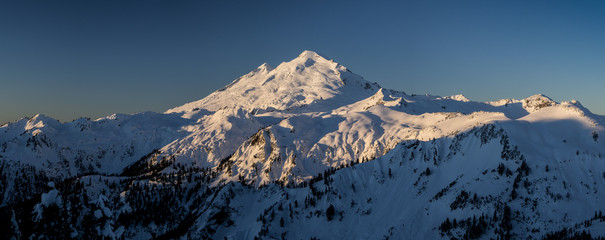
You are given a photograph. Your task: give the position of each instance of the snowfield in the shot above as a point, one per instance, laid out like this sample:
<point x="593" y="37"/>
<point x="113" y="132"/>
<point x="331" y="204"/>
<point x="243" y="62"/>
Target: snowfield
<point x="309" y="149"/>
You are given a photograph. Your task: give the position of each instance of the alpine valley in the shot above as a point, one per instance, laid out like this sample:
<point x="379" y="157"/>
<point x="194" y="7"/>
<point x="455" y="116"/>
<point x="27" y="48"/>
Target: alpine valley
<point x="309" y="150"/>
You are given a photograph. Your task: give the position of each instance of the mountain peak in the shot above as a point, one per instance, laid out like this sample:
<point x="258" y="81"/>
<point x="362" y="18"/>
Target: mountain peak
<point x="40" y="121"/>
<point x="458" y="97"/>
<point x="307" y="79"/>
<point x="539" y="96"/>
<point x="265" y="67"/>
<point x="537" y="102"/>
<point x="309" y="59"/>
<point x="308" y="54"/>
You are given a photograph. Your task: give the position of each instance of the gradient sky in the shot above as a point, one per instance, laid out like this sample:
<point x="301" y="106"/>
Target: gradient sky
<point x="68" y="59"/>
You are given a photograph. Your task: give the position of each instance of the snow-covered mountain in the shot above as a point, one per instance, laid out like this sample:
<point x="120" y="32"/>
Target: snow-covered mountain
<point x="307" y="79"/>
<point x="309" y="150"/>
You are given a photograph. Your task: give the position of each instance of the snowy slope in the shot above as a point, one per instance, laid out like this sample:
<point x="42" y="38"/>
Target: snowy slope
<point x="414" y="189"/>
<point x="309" y="149"/>
<point x="307" y="79"/>
<point x="109" y="144"/>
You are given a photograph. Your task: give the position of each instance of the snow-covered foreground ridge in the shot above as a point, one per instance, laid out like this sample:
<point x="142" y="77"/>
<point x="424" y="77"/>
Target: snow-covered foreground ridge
<point x="309" y="149"/>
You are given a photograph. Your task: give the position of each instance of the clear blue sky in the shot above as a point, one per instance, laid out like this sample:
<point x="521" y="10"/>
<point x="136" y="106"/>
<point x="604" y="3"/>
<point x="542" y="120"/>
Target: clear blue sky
<point x="67" y="59"/>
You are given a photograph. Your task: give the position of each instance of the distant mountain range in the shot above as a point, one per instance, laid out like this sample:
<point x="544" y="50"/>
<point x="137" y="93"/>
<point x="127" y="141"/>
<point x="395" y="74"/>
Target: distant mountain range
<point x="308" y="150"/>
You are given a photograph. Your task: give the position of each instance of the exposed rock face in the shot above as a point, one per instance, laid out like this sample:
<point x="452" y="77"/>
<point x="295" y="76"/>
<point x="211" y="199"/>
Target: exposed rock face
<point x="309" y="149"/>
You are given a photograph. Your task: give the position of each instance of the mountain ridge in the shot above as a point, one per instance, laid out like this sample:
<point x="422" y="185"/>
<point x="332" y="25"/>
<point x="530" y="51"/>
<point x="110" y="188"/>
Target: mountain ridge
<point x="301" y="81"/>
<point x="309" y="149"/>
